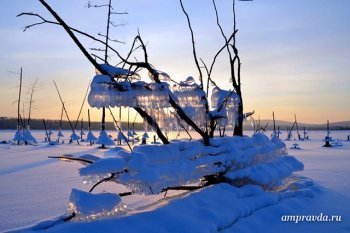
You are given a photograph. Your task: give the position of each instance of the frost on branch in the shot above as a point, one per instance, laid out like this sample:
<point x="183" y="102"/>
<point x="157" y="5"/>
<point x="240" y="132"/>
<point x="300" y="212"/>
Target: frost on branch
<point x="154" y="99"/>
<point x="192" y="100"/>
<point x="225" y="107"/>
<point x="107" y="93"/>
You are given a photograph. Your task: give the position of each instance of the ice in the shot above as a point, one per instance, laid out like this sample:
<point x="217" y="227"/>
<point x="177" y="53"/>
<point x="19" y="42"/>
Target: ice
<point x="105" y="92"/>
<point x="192" y="100"/>
<point x="223" y="100"/>
<point x="87" y="204"/>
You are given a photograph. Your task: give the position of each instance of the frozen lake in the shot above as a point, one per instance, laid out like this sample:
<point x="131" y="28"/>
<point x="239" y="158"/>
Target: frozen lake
<point x="34" y="188"/>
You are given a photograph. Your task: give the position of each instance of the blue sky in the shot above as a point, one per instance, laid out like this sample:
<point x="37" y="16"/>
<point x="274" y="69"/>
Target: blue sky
<point x="295" y="54"/>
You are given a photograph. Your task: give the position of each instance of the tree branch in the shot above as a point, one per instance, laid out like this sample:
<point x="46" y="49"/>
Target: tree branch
<point x="182" y="126"/>
<point x="154" y="124"/>
<point x="74" y="38"/>
<point x="110" y="178"/>
<point x="193" y="45"/>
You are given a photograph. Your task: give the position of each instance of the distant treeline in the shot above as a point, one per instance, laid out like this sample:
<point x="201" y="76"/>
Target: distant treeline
<point x="284" y="125"/>
<point x="11" y="123"/>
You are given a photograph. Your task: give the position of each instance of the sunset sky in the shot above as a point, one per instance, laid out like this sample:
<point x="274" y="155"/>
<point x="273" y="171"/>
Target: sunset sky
<point x="295" y="54"/>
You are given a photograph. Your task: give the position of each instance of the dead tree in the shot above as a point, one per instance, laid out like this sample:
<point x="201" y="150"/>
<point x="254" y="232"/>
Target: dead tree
<point x="229" y="45"/>
<point x="33" y="89"/>
<point x="19" y="100"/>
<point x="234" y="63"/>
<point x="105" y="50"/>
<point x="70" y="31"/>
<point x="235" y="67"/>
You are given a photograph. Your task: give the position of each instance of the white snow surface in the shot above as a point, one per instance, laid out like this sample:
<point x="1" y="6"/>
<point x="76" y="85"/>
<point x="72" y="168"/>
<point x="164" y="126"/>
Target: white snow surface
<point x="34" y="188"/>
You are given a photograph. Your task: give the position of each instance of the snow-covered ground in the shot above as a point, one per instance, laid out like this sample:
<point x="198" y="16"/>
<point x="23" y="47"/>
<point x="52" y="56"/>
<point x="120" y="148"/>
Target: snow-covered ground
<point x="34" y="188"/>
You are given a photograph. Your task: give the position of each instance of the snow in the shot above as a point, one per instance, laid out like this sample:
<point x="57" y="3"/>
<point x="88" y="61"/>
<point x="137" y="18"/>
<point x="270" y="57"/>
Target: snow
<point x="60" y="134"/>
<point x="103" y="166"/>
<point x="18" y="136"/>
<point x="116" y="71"/>
<point x="153" y="168"/>
<point x="266" y="173"/>
<point x="145" y="135"/>
<point x="88" y="204"/>
<point x="74" y="136"/>
<point x="27" y="135"/>
<point x="90" y="136"/>
<point x="43" y="186"/>
<point x="104" y="139"/>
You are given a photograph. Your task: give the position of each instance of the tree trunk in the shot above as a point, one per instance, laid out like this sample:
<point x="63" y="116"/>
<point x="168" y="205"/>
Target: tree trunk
<point x="238" y="130"/>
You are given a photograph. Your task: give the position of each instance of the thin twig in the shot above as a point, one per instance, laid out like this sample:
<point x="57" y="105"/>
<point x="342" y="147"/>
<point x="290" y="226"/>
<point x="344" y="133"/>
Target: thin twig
<point x="116" y="125"/>
<point x="193" y="45"/>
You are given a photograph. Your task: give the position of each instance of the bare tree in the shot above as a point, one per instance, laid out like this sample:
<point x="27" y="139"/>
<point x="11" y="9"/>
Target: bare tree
<point x="234" y="64"/>
<point x="33" y="89"/>
<point x="105" y="50"/>
<point x="134" y="66"/>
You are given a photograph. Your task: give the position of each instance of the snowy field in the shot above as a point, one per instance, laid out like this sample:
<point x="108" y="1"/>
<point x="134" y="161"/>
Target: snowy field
<point x="34" y="188"/>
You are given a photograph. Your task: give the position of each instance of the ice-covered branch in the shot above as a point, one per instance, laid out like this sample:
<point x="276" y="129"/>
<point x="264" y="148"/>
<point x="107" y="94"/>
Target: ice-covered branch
<point x="107" y="179"/>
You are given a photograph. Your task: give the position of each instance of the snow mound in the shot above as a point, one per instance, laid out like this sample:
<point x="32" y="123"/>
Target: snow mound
<point x="27" y="135"/>
<point x="103" y="166"/>
<point x="269" y="173"/>
<point x="104" y="139"/>
<point x="74" y="137"/>
<point x="218" y="208"/>
<point x="18" y="136"/>
<point x="88" y="204"/>
<point x="90" y="136"/>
